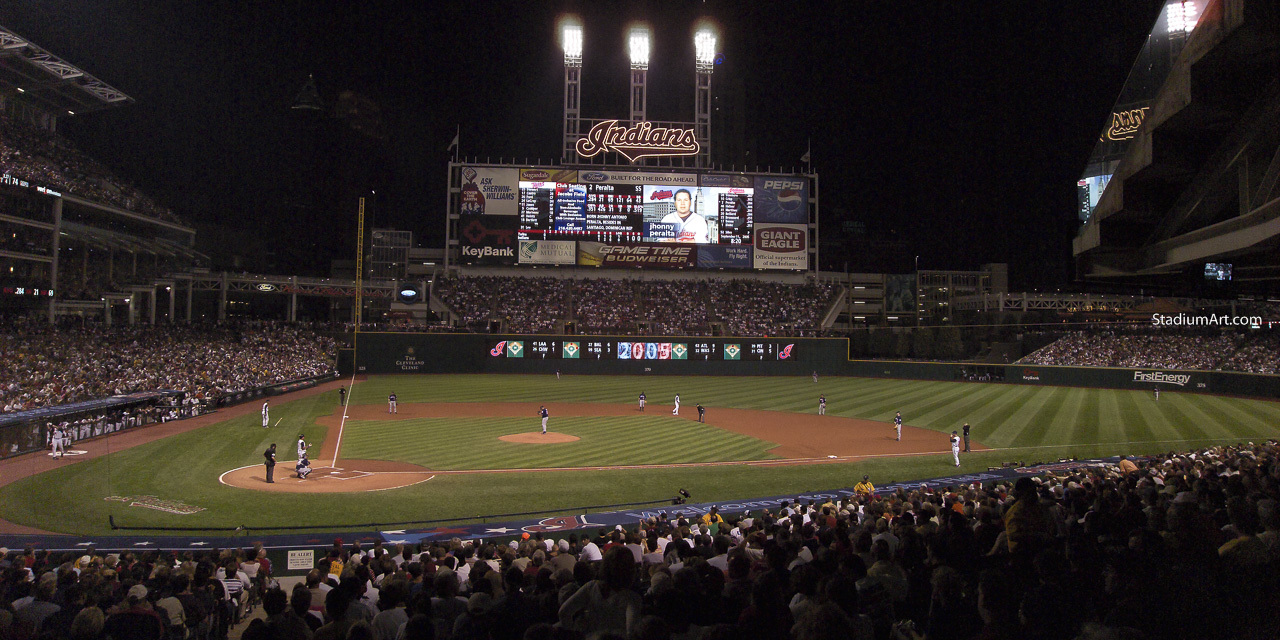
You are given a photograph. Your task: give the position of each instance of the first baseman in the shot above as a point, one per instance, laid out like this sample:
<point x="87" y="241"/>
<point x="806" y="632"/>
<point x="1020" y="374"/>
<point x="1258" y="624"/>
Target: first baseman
<point x="543" y="411"/>
<point x="897" y="424"/>
<point x="391" y="403"/>
<point x="266" y="416"/>
<point x="955" y="447"/>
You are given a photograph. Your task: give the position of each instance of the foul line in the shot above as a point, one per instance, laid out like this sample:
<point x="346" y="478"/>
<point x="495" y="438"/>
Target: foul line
<point x="351" y="389"/>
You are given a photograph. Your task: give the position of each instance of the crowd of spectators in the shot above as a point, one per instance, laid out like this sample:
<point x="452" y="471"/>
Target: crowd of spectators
<point x="639" y="307"/>
<point x="45" y="365"/>
<point x="49" y="160"/>
<point x="1179" y="545"/>
<point x="1253" y="351"/>
<point x="87" y="595"/>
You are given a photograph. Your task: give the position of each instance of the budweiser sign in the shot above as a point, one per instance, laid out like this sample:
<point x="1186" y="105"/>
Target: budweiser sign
<point x="638" y="141"/>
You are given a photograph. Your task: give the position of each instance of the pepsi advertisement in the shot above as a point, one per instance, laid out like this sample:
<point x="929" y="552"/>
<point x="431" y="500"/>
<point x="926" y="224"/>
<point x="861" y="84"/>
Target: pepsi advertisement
<point x="782" y="199"/>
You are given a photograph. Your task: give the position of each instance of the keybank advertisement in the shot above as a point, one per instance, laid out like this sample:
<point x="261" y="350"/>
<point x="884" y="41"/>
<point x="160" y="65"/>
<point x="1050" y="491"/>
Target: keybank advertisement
<point x="782" y="199"/>
<point x="490" y="191"/>
<point x="782" y="246"/>
<point x="488" y="239"/>
<point x="547" y="252"/>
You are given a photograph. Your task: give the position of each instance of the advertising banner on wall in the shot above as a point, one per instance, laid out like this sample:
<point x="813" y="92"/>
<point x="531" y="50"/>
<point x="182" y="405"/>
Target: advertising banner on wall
<point x="738" y="256"/>
<point x="782" y="199"/>
<point x="490" y="191"/>
<point x="781" y="246"/>
<point x="547" y="252"/>
<point x="726" y="180"/>
<point x="900" y="293"/>
<point x="548" y="175"/>
<point x="639" y="177"/>
<point x="646" y="255"/>
<point x="487" y="239"/>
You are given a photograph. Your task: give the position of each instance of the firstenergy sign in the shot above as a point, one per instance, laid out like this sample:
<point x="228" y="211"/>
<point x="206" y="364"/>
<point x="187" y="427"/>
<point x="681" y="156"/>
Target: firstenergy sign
<point x="1180" y="379"/>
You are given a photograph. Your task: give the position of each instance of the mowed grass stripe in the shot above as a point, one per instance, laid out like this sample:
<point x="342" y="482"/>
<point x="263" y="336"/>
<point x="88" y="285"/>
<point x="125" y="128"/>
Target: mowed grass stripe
<point x="987" y="420"/>
<point x="1214" y="426"/>
<point x="1133" y="421"/>
<point x="1031" y="417"/>
<point x="956" y="413"/>
<point x="1088" y="426"/>
<point x="1241" y="418"/>
<point x="472" y="443"/>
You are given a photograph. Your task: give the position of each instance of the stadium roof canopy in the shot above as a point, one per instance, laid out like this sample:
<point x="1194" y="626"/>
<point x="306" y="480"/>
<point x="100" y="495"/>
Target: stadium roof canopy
<point x="1200" y="183"/>
<point x="51" y="82"/>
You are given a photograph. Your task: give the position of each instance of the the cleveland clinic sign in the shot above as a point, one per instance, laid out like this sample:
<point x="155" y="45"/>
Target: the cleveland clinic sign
<point x="640" y="140"/>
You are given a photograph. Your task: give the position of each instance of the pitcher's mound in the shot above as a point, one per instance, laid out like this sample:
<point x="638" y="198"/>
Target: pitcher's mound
<point x="537" y="437"/>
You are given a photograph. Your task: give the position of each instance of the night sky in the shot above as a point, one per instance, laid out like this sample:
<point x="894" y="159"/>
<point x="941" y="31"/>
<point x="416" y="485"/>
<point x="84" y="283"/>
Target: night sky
<point x="952" y="130"/>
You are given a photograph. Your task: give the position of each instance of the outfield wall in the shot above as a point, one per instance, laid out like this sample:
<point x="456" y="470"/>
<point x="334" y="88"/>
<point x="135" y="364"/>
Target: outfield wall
<point x="393" y="353"/>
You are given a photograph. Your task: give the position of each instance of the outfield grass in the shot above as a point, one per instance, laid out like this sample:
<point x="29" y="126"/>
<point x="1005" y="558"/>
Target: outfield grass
<point x="1024" y="423"/>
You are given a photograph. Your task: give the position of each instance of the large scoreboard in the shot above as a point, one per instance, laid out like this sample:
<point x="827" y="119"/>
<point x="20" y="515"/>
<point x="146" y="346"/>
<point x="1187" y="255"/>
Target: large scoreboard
<point x="625" y="349"/>
<point x="632" y="218"/>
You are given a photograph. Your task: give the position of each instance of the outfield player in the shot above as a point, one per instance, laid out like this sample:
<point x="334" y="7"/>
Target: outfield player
<point x="815" y="377"/>
<point x="676" y="411"/>
<point x="391" y="403"/>
<point x="642" y="401"/>
<point x="1157" y="390"/>
<point x="897" y="425"/>
<point x="543" y="411"/>
<point x="955" y="447"/>
<point x="266" y="416"/>
<point x="822" y="405"/>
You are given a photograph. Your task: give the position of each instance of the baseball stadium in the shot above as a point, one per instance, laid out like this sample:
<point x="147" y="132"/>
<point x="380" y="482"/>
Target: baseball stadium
<point x="629" y="371"/>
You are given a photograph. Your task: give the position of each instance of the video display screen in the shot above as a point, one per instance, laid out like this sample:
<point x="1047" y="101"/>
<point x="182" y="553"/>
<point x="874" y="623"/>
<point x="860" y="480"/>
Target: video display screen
<point x="1220" y="271"/>
<point x="606" y="212"/>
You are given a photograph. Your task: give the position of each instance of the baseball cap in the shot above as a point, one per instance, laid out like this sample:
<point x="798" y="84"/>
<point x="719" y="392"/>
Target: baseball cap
<point x="137" y="593"/>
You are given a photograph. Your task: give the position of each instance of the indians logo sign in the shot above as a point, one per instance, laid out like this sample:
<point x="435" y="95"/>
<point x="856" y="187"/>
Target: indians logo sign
<point x="786" y="352"/>
<point x="641" y="140"/>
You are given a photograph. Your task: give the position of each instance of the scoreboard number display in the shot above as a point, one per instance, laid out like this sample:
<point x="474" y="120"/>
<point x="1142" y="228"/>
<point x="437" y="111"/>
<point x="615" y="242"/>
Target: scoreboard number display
<point x="635" y="350"/>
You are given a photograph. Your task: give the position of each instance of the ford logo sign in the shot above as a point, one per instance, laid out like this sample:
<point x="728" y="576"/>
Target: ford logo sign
<point x="595" y="176"/>
<point x="266" y="287"/>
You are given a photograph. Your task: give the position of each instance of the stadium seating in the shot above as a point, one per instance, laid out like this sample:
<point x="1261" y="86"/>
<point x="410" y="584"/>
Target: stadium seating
<point x="640" y="307"/>
<point x="1248" y="351"/>
<point x="49" y="366"/>
<point x="1147" y="548"/>
<point x="53" y="161"/>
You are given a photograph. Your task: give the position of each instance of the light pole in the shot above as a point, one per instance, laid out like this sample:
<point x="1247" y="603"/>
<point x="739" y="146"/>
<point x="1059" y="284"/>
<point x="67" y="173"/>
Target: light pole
<point x="919" y="297"/>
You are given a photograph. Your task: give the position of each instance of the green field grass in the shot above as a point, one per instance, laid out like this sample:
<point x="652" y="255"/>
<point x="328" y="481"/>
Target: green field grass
<point x="1024" y="423"/>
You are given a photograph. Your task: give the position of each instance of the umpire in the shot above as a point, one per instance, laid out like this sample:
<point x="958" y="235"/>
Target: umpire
<point x="270" y="460"/>
<point x="966" y="437"/>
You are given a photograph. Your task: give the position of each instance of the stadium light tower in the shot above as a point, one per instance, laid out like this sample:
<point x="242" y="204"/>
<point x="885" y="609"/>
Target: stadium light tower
<point x="571" y="42"/>
<point x="704" y="45"/>
<point x="638" y="43"/>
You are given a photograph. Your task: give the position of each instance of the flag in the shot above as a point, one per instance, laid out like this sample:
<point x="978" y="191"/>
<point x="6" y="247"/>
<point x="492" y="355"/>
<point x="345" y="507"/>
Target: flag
<point x="453" y="146"/>
<point x="805" y="158"/>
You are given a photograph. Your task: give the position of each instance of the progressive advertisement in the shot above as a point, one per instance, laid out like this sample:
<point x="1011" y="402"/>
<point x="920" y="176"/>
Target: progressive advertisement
<point x="781" y="246"/>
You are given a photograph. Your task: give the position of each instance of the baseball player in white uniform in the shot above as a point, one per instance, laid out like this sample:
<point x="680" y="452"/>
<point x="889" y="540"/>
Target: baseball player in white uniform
<point x="822" y="405"/>
<point x="266" y="416"/>
<point x="56" y="439"/>
<point x="676" y="411"/>
<point x="302" y="447"/>
<point x="391" y="404"/>
<point x="955" y="447"/>
<point x="897" y="424"/>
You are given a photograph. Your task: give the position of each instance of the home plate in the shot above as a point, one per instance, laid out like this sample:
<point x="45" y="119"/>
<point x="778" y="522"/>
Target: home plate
<point x="830" y="456"/>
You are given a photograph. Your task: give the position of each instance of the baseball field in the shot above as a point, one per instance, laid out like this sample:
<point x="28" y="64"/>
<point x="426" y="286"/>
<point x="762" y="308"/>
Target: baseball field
<point x="462" y="446"/>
